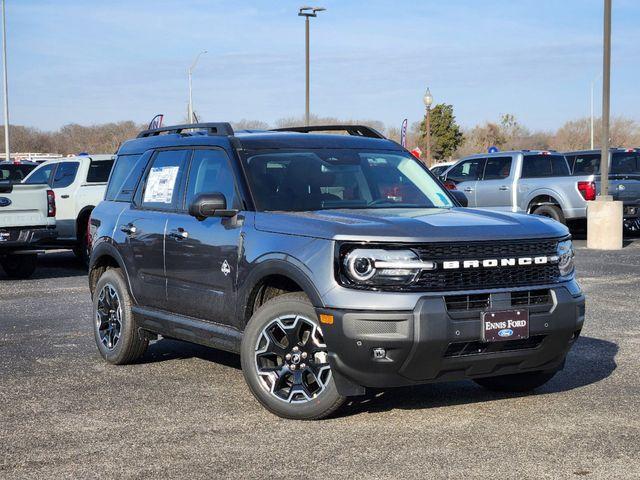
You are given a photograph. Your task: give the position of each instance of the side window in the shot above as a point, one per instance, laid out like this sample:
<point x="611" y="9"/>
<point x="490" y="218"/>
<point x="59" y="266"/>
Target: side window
<point x="162" y="183"/>
<point x="466" y="171"/>
<point x="559" y="167"/>
<point x="536" y="166"/>
<point x="210" y="172"/>
<point x="99" y="171"/>
<point x="497" y="168"/>
<point x="65" y="174"/>
<point x="586" y="164"/>
<point x="41" y="175"/>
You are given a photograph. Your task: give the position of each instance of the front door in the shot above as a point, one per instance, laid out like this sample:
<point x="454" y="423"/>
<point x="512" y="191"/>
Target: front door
<point x="465" y="176"/>
<point x="493" y="190"/>
<point x="202" y="255"/>
<point x="143" y="226"/>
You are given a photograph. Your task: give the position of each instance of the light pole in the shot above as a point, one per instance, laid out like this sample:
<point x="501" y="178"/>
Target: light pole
<point x="606" y="89"/>
<point x="190" y="71"/>
<point x="308" y="12"/>
<point x="6" y="87"/>
<point x="428" y="100"/>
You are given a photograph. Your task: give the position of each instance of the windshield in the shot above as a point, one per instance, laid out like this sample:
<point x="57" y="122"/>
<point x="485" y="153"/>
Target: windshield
<point x="320" y="179"/>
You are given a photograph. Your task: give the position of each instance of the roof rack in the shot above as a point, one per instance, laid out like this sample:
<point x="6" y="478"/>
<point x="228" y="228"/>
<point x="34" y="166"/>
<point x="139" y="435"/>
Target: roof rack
<point x="220" y="128"/>
<point x="355" y="130"/>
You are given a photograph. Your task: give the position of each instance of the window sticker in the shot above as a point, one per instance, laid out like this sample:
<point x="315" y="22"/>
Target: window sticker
<point x="160" y="185"/>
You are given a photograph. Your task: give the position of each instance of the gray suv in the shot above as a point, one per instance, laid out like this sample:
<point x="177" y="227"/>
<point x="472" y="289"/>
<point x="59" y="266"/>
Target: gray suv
<point x="330" y="263"/>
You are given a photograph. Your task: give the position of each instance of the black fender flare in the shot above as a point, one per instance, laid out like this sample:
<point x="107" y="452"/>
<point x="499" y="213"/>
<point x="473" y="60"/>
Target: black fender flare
<point x="107" y="249"/>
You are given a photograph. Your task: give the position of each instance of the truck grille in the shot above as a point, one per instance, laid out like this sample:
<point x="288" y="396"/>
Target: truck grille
<point x="481" y="278"/>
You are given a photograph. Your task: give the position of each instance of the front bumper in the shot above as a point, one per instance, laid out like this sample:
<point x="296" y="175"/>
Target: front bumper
<point x="435" y="343"/>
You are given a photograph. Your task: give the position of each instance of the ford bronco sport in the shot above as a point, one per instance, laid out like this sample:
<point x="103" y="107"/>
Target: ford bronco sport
<point x="330" y="263"/>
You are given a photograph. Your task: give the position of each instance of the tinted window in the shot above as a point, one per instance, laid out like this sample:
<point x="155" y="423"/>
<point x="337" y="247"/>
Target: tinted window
<point x="544" y="166"/>
<point x="497" y="168"/>
<point x="466" y="171"/>
<point x="586" y="164"/>
<point x="99" y="171"/>
<point x="210" y="173"/>
<point x="440" y="169"/>
<point x="162" y="183"/>
<point x="624" y="163"/>
<point x="14" y="173"/>
<point x="41" y="175"/>
<point x="65" y="174"/>
<point x="316" y="179"/>
<point x="124" y="177"/>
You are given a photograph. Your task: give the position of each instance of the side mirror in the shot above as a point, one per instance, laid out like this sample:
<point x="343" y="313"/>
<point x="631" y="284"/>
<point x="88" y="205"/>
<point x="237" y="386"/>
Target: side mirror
<point x="210" y="205"/>
<point x="460" y="197"/>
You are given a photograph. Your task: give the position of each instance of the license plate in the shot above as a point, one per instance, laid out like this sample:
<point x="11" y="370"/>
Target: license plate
<point x="505" y="325"/>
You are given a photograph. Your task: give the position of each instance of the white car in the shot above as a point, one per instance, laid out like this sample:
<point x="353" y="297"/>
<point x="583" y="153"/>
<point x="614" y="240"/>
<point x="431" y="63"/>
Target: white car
<point x="79" y="184"/>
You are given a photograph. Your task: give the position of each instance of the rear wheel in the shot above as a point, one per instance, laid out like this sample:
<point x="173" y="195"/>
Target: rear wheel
<point x="19" y="266"/>
<point x="550" y="211"/>
<point x="285" y="361"/>
<point x="519" y="382"/>
<point x="114" y="327"/>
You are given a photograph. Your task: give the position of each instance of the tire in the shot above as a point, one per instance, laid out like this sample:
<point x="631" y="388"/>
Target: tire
<point x="311" y="393"/>
<point x="19" y="266"/>
<point x="114" y="327"/>
<point x="519" y="382"/>
<point x="550" y="211"/>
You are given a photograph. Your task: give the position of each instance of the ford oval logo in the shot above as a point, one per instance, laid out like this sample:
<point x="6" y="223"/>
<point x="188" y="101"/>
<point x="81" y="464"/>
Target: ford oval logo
<point x="5" y="202"/>
<point x="621" y="187"/>
<point x="505" y="332"/>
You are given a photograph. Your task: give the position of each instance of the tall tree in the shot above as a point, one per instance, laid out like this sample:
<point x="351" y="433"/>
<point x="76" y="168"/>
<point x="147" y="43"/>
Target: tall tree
<point x="446" y="135"/>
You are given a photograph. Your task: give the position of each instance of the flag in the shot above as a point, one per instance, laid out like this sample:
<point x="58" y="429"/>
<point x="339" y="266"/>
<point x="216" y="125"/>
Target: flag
<point x="156" y="122"/>
<point x="403" y="133"/>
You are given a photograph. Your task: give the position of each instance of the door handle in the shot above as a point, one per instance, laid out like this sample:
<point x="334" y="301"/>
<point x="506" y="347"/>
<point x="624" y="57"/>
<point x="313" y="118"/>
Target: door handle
<point x="179" y="234"/>
<point x="503" y="187"/>
<point x="64" y="196"/>
<point x="468" y="189"/>
<point x="129" y="229"/>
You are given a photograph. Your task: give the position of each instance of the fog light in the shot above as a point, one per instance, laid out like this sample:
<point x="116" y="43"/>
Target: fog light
<point x="379" y="353"/>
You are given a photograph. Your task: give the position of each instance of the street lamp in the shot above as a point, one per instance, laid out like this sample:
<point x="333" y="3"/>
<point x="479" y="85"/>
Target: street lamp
<point x="190" y="71"/>
<point x="428" y="100"/>
<point x="308" y="12"/>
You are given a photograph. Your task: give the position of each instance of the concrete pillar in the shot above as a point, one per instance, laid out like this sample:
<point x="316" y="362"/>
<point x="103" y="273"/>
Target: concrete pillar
<point x="604" y="224"/>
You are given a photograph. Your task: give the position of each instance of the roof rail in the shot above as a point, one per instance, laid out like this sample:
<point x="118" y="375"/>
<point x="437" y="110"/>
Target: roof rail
<point x="219" y="128"/>
<point x="355" y="130"/>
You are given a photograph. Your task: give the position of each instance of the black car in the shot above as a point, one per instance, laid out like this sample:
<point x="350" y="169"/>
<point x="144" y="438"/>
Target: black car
<point x="330" y="263"/>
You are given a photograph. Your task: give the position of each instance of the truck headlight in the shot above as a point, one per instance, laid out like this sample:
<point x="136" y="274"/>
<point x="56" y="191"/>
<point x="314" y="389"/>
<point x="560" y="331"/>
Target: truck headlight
<point x="380" y="267"/>
<point x="565" y="257"/>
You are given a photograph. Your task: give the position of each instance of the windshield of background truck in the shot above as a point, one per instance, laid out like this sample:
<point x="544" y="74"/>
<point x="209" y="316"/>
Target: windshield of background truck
<point x="320" y="179"/>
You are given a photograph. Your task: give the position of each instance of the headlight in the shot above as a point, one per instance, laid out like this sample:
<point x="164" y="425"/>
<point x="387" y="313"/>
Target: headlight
<point x="565" y="257"/>
<point x="379" y="267"/>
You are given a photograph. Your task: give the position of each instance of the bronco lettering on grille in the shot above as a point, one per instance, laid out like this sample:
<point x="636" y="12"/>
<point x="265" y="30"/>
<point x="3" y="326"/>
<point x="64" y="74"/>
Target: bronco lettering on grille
<point x="498" y="262"/>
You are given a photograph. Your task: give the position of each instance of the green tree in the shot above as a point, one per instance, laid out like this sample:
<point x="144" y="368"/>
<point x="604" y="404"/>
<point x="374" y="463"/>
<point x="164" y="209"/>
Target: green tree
<point x="446" y="135"/>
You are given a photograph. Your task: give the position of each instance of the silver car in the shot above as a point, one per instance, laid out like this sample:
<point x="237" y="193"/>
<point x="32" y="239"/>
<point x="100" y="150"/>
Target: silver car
<point x="524" y="181"/>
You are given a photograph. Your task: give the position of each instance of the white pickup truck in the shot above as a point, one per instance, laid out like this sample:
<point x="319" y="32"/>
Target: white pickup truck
<point x="27" y="221"/>
<point x="79" y="184"/>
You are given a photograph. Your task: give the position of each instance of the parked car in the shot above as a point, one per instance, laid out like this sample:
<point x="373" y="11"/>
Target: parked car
<point x="79" y="183"/>
<point x="15" y="171"/>
<point x="624" y="177"/>
<point x="27" y="221"/>
<point x="522" y="181"/>
<point x="439" y="168"/>
<point x="330" y="263"/>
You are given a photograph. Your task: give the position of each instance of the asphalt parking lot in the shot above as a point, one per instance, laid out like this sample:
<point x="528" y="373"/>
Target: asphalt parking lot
<point x="185" y="412"/>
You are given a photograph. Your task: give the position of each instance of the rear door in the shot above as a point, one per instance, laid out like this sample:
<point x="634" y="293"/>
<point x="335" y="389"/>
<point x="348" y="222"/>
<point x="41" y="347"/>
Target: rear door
<point x="202" y="255"/>
<point x="145" y="223"/>
<point x="63" y="185"/>
<point x="465" y="176"/>
<point x="494" y="188"/>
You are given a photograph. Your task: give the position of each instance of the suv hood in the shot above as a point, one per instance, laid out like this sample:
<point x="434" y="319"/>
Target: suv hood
<point x="409" y="225"/>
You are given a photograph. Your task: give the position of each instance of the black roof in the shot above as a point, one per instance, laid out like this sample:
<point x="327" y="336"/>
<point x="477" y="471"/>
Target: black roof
<point x="219" y="135"/>
<point x="612" y="149"/>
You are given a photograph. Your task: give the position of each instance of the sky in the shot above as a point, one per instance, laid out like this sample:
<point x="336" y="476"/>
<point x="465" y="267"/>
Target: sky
<point x="90" y="61"/>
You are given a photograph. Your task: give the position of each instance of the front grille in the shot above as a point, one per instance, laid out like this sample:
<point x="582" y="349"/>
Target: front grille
<point x="481" y="250"/>
<point x="477" y="348"/>
<point x="531" y="297"/>
<point x="481" y="278"/>
<point x="467" y="302"/>
<point x="482" y="301"/>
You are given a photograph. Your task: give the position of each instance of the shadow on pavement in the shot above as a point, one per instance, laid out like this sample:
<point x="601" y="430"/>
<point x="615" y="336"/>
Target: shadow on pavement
<point x="56" y="264"/>
<point x="167" y="349"/>
<point x="589" y="361"/>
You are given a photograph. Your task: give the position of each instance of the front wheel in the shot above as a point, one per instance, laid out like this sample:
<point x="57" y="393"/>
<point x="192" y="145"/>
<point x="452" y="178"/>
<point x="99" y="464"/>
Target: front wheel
<point x="519" y="382"/>
<point x="550" y="211"/>
<point x="285" y="362"/>
<point x="20" y="266"/>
